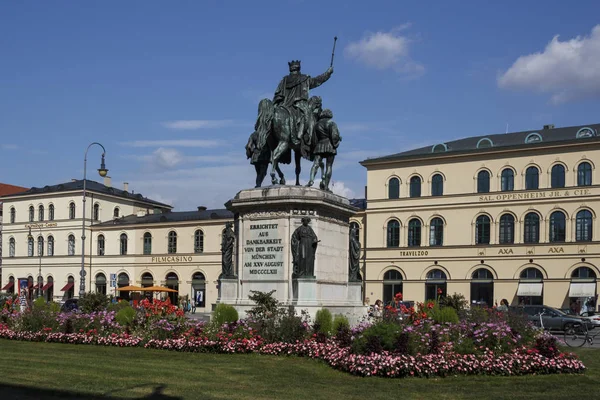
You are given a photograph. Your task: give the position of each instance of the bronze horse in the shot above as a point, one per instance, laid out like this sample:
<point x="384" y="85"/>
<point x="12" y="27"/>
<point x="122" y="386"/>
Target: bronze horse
<point x="275" y="125"/>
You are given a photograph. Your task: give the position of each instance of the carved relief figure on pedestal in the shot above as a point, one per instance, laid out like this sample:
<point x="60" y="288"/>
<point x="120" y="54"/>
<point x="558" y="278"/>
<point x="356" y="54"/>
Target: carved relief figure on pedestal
<point x="304" y="246"/>
<point x="227" y="243"/>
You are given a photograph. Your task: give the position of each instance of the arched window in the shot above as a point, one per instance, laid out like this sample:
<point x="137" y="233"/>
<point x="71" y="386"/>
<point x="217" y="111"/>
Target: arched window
<point x="11" y="285"/>
<point x="123" y="244"/>
<point x="31" y="213"/>
<point x="531" y="233"/>
<point x="393" y="233"/>
<point x="482" y="230"/>
<point x="583" y="226"/>
<point x="41" y="213"/>
<point x="147" y="279"/>
<point x="71" y="245"/>
<point x="199" y="241"/>
<point x="101" y="283"/>
<point x="172" y="245"/>
<point x="13" y="215"/>
<point x="437" y="185"/>
<point x="96" y="212"/>
<point x="531" y="274"/>
<point x="415" y="186"/>
<point x="40" y="241"/>
<point x="414" y="232"/>
<point x="436" y="232"/>
<point x="199" y="289"/>
<point x="71" y="210"/>
<point x="484" y="143"/>
<point x="557" y="227"/>
<point x="101" y="245"/>
<point x="533" y="138"/>
<point x="173" y="283"/>
<point x="70" y="288"/>
<point x="585" y="133"/>
<point x="507" y="229"/>
<point x="482" y="288"/>
<point x="435" y="285"/>
<point x="483" y="181"/>
<point x="51" y="212"/>
<point x="394" y="188"/>
<point x="530" y="289"/>
<point x="50" y="245"/>
<point x="557" y="176"/>
<point x="532" y="178"/>
<point x="439" y="148"/>
<point x="392" y="285"/>
<point x="11" y="247"/>
<point x="584" y="174"/>
<point x="583" y="273"/>
<point x="356" y="227"/>
<point x="49" y="288"/>
<point x="30" y="247"/>
<point x="122" y="281"/>
<point x="116" y="212"/>
<point x="147" y="243"/>
<point x="507" y="180"/>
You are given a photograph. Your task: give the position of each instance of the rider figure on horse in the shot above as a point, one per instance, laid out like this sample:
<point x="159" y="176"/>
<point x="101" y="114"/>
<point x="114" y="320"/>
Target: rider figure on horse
<point x="292" y="93"/>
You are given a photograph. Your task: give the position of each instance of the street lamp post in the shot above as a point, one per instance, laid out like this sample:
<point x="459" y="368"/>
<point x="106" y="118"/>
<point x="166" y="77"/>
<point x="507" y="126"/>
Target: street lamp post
<point x="40" y="279"/>
<point x="102" y="171"/>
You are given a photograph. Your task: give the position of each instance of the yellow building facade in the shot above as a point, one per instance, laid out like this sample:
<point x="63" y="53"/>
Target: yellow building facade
<point x="130" y="240"/>
<point x="509" y="216"/>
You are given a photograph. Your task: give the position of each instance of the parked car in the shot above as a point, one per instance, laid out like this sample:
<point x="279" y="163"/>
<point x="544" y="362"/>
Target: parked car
<point x="69" y="305"/>
<point x="553" y="318"/>
<point x="593" y="317"/>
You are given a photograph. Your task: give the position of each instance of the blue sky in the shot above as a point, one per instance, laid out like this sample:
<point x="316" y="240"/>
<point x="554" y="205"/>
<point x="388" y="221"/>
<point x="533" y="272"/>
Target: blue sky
<point x="171" y="88"/>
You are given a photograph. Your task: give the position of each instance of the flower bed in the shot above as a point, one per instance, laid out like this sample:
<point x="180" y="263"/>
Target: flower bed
<point x="517" y="362"/>
<point x="423" y="342"/>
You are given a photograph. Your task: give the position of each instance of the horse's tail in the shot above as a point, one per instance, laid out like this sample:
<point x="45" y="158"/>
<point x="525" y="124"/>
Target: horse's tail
<point x="266" y="111"/>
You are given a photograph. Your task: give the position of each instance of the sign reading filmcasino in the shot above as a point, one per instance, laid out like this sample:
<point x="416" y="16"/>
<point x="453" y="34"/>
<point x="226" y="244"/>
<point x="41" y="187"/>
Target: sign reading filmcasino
<point x="263" y="252"/>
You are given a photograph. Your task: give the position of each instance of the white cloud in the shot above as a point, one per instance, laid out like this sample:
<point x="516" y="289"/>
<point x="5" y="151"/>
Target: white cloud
<point x="167" y="158"/>
<point x="340" y="188"/>
<point x="566" y="70"/>
<point x="9" y="147"/>
<point x="190" y="124"/>
<point x="385" y="50"/>
<point x="172" y="143"/>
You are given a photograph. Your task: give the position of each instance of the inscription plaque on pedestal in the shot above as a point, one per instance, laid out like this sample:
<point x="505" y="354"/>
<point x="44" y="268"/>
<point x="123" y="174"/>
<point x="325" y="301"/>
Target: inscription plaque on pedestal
<point x="263" y="251"/>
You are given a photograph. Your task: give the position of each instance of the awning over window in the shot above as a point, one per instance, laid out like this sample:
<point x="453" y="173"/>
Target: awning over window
<point x="48" y="285"/>
<point x="67" y="287"/>
<point x="587" y="289"/>
<point x="8" y="286"/>
<point x="36" y="286"/>
<point x="530" y="289"/>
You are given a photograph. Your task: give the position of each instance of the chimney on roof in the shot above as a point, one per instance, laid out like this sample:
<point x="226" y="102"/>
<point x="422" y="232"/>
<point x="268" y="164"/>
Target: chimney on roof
<point x="548" y="127"/>
<point x="126" y="186"/>
<point x="73" y="180"/>
<point x="201" y="208"/>
<point x="107" y="182"/>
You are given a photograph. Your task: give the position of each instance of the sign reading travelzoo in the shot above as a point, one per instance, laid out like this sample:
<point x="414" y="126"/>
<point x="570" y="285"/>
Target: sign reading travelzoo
<point x="263" y="252"/>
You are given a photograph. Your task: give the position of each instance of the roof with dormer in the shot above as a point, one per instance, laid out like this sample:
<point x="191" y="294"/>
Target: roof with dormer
<point x="90" y="186"/>
<point x="487" y="143"/>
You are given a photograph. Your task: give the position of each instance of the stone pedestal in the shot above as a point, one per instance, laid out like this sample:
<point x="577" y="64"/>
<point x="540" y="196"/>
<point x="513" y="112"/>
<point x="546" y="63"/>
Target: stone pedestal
<point x="265" y="219"/>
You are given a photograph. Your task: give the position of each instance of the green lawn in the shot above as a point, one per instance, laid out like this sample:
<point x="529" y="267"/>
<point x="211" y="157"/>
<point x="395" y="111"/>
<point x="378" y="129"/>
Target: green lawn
<point x="61" y="371"/>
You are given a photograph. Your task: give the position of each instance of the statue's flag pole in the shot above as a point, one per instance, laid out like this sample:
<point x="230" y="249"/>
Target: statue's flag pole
<point x="333" y="51"/>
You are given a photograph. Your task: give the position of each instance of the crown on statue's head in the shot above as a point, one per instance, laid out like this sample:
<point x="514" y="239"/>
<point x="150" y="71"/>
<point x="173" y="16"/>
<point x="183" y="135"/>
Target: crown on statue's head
<point x="294" y="64"/>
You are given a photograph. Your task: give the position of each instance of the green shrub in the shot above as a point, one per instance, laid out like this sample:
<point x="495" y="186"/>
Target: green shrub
<point x="384" y="334"/>
<point x="224" y="314"/>
<point x="465" y="346"/>
<point x="339" y="322"/>
<point x="456" y="301"/>
<point x="125" y="316"/>
<point x="323" y="322"/>
<point x="442" y="315"/>
<point x="116" y="307"/>
<point x="92" y="302"/>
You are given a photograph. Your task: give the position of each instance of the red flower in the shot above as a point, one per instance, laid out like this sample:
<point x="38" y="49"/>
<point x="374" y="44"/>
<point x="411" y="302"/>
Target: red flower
<point x="439" y="291"/>
<point x="398" y="296"/>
